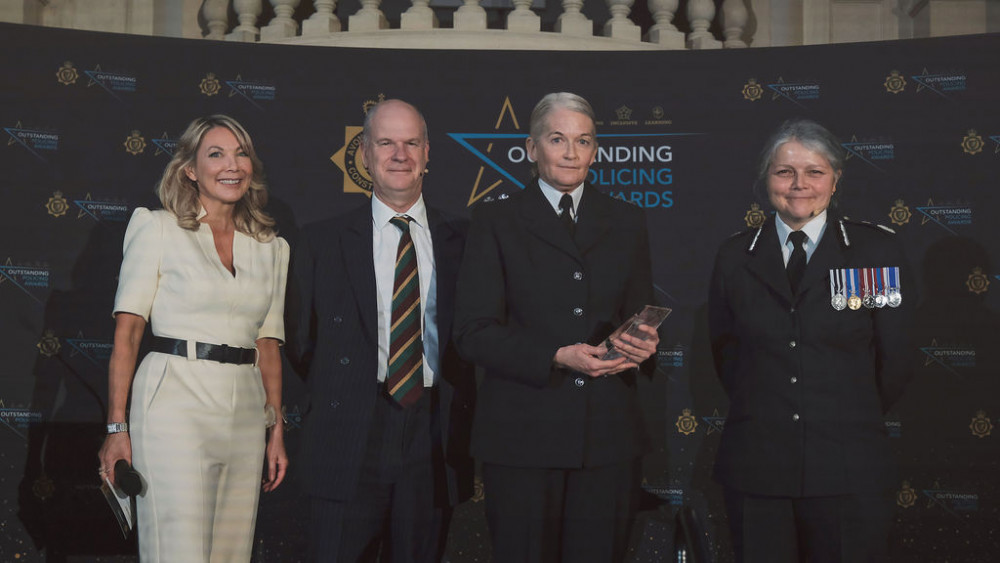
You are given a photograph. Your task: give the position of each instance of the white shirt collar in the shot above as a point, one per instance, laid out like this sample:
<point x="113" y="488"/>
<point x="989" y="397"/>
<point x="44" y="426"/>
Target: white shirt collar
<point x="813" y="229"/>
<point x="382" y="213"/>
<point x="554" y="195"/>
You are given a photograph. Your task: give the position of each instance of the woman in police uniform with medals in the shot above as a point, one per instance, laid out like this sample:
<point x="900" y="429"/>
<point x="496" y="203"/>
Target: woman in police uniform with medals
<point x="808" y="326"/>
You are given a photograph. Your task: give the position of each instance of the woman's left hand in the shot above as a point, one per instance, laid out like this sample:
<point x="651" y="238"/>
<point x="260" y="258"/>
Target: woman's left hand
<point x="277" y="460"/>
<point x="636" y="350"/>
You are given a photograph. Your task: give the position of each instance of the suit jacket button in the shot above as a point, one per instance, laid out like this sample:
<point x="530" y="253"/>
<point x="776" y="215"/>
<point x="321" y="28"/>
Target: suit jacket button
<point x="794" y="379"/>
<point x="580" y="382"/>
<point x="334" y="404"/>
<point x="578" y="312"/>
<point x="795" y="417"/>
<point x="577" y="276"/>
<point x="792" y="344"/>
<point x="344" y="361"/>
<point x="338" y="319"/>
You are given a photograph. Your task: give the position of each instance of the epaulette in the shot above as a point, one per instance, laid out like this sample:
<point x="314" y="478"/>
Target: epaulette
<point x="752" y="247"/>
<point x="870" y="225"/>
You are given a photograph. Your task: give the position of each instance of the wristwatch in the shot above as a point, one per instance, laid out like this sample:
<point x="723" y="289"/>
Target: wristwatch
<point x="116" y="427"/>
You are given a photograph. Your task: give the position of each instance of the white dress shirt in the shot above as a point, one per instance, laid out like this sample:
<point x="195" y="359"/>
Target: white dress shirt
<point x="554" y="195"/>
<point x="814" y="230"/>
<point x="385" y="243"/>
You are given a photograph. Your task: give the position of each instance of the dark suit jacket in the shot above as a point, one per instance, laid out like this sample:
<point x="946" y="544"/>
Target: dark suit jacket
<point x="332" y="339"/>
<point x="848" y="366"/>
<point x="525" y="289"/>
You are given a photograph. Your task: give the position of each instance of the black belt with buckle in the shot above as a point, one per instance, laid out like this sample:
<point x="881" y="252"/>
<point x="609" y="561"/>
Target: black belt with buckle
<point x="221" y="353"/>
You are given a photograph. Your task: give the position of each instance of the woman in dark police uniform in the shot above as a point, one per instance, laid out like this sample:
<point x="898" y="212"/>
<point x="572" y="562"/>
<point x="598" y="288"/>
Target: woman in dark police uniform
<point x="809" y="335"/>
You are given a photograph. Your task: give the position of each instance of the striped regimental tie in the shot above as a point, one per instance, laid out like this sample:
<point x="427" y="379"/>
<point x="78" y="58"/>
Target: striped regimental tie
<point x="405" y="377"/>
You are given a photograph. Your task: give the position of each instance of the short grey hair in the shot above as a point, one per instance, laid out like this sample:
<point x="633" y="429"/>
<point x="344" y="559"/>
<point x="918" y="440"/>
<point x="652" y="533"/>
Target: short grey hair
<point x="809" y="134"/>
<point x="366" y="129"/>
<point x="554" y="101"/>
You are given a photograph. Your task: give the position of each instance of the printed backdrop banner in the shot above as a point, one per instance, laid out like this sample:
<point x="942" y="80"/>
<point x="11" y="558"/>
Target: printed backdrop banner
<point x="90" y="120"/>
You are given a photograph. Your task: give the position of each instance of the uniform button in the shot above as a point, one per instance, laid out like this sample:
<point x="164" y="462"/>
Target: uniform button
<point x="791" y="344"/>
<point x="344" y="361"/>
<point x="794" y="379"/>
<point x="578" y="312"/>
<point x="577" y="276"/>
<point x="792" y="310"/>
<point x="335" y="404"/>
<point x="580" y="382"/>
<point x="338" y="319"/>
<point x="795" y="417"/>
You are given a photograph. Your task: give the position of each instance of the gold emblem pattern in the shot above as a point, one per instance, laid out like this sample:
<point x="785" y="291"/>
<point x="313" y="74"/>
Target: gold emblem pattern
<point x="658" y="112"/>
<point x="906" y="496"/>
<point x="752" y="91"/>
<point x="57" y="205"/>
<point x="981" y="425"/>
<point x="686" y="423"/>
<point x="135" y="143"/>
<point x="348" y="159"/>
<point x="972" y="143"/>
<point x="369" y="104"/>
<point x="66" y="74"/>
<point x="754" y="217"/>
<point x="48" y="345"/>
<point x="900" y="213"/>
<point x="977" y="281"/>
<point x="210" y="85"/>
<point x="894" y="83"/>
<point x="624" y="113"/>
<point x="478" y="492"/>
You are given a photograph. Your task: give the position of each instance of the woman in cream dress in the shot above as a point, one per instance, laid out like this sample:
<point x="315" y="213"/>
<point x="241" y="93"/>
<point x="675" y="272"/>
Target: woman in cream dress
<point x="208" y="273"/>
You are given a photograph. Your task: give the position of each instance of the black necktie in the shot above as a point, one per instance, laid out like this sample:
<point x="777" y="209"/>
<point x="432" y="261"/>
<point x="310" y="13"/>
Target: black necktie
<point x="566" y="213"/>
<point x="797" y="261"/>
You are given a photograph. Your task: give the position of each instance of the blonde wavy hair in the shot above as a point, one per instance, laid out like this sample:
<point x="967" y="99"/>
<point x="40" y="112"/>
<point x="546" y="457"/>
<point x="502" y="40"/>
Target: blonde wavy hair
<point x="179" y="194"/>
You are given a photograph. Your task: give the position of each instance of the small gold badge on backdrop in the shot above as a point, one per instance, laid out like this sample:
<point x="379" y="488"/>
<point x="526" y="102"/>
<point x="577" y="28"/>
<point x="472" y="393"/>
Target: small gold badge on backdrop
<point x="754" y="216"/>
<point x="686" y="423"/>
<point x="752" y="91"/>
<point x="972" y="143"/>
<point x="894" y="83"/>
<point x="210" y="85"/>
<point x="57" y="205"/>
<point x="135" y="143"/>
<point x="48" y="345"/>
<point x="977" y="281"/>
<point x="900" y="213"/>
<point x="66" y="74"/>
<point x="981" y="425"/>
<point x="906" y="496"/>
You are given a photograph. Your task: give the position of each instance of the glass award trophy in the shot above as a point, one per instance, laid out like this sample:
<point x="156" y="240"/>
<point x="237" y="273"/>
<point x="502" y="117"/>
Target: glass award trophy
<point x="650" y="316"/>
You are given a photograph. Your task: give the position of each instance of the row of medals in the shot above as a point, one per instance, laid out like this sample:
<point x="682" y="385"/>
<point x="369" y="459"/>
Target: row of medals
<point x="876" y="290"/>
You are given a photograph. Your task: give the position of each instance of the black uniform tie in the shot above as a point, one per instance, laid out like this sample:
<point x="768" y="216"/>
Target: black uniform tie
<point x="566" y="213"/>
<point x="797" y="261"/>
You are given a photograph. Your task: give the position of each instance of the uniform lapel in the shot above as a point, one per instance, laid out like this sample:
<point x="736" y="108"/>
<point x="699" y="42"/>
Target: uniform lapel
<point x="359" y="262"/>
<point x="541" y="221"/>
<point x="828" y="255"/>
<point x="767" y="264"/>
<point x="594" y="219"/>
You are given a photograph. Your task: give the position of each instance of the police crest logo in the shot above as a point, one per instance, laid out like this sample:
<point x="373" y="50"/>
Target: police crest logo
<point x="135" y="144"/>
<point x="57" y="205"/>
<point x="754" y="217"/>
<point x="752" y="91"/>
<point x="894" y="83"/>
<point x="977" y="281"/>
<point x="48" y="345"/>
<point x="348" y="159"/>
<point x="972" y="143"/>
<point x="210" y="85"/>
<point x="906" y="496"/>
<point x="66" y="74"/>
<point x="686" y="423"/>
<point x="900" y="213"/>
<point x="981" y="426"/>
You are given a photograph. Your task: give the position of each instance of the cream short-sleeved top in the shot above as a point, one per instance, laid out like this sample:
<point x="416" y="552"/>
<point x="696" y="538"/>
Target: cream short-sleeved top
<point x="173" y="278"/>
